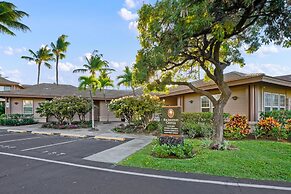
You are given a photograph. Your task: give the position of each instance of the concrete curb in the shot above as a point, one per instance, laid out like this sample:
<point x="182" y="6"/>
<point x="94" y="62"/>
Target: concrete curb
<point x="110" y="138"/>
<point x="18" y="131"/>
<point x="68" y="135"/>
<point x="73" y="135"/>
<point x="42" y="133"/>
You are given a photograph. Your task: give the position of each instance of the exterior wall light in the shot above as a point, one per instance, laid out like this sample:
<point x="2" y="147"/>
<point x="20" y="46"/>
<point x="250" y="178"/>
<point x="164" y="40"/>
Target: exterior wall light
<point x="191" y="101"/>
<point x="234" y="97"/>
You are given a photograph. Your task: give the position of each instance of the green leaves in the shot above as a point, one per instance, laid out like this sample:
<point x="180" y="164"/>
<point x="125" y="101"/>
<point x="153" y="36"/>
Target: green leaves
<point x="177" y="36"/>
<point x="65" y="108"/>
<point x="10" y="18"/>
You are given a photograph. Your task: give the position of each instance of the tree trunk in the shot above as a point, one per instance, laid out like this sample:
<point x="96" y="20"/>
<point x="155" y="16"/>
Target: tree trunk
<point x="218" y="124"/>
<point x="57" y="70"/>
<point x="92" y="109"/>
<point x="38" y="73"/>
<point x="133" y="91"/>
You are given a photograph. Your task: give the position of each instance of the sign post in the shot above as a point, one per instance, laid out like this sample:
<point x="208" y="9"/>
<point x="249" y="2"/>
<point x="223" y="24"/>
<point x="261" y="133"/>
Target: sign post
<point x="171" y="121"/>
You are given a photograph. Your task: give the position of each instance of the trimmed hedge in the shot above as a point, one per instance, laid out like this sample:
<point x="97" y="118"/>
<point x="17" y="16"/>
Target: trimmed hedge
<point x="16" y="120"/>
<point x="198" y="124"/>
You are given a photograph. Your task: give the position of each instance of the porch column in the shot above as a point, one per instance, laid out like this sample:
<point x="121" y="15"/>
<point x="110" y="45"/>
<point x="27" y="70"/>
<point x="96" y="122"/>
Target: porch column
<point x="252" y="103"/>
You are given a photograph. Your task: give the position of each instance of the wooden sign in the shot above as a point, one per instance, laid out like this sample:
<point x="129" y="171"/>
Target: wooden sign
<point x="171" y="120"/>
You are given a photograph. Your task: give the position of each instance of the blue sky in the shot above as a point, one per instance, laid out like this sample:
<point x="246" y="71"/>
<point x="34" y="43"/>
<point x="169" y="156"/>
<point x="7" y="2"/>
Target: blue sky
<point x="108" y="26"/>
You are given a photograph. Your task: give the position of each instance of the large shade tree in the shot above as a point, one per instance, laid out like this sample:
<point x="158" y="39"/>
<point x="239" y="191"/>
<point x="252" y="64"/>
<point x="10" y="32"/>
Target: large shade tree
<point x="10" y="18"/>
<point x="92" y="84"/>
<point x="42" y="56"/>
<point x="59" y="49"/>
<point x="178" y="36"/>
<point x="126" y="79"/>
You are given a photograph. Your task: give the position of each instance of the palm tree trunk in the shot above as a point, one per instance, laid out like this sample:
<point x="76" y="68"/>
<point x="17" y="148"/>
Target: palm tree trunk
<point x="133" y="90"/>
<point x="38" y="72"/>
<point x="57" y="70"/>
<point x="92" y="109"/>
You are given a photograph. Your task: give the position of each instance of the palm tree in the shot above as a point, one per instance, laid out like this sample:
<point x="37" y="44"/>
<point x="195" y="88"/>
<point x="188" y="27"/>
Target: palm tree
<point x="43" y="55"/>
<point x="59" y="48"/>
<point x="105" y="81"/>
<point x="92" y="84"/>
<point x="126" y="79"/>
<point x="10" y="17"/>
<point x="94" y="64"/>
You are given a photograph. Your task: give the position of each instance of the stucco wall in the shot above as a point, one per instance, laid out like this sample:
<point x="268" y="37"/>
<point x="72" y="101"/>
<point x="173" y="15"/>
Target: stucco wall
<point x="170" y="101"/>
<point x="192" y="102"/>
<point x="104" y="112"/>
<point x="239" y="106"/>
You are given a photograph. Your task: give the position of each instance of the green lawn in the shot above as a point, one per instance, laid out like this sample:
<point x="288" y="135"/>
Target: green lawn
<point x="265" y="160"/>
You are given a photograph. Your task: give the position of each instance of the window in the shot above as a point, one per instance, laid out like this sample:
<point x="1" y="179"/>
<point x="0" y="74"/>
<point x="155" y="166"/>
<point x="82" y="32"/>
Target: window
<point x="206" y="104"/>
<point x="5" y="88"/>
<point x="27" y="106"/>
<point x="274" y="102"/>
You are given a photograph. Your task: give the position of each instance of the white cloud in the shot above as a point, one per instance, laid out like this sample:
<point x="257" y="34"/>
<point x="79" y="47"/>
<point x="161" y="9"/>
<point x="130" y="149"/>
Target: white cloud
<point x="127" y="15"/>
<point x="268" y="69"/>
<point x="31" y="63"/>
<point x="67" y="66"/>
<point x="118" y="65"/>
<point x="267" y="49"/>
<point x="133" y="25"/>
<point x="13" y="75"/>
<point x="13" y="51"/>
<point x="130" y="4"/>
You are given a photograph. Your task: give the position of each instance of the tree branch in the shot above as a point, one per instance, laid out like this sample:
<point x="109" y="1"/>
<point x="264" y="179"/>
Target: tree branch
<point x="195" y="89"/>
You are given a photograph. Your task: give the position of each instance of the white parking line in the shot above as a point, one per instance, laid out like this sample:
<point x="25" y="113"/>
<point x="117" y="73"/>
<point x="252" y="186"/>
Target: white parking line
<point x="7" y="134"/>
<point x="233" y="184"/>
<point x="49" y="145"/>
<point x="23" y="139"/>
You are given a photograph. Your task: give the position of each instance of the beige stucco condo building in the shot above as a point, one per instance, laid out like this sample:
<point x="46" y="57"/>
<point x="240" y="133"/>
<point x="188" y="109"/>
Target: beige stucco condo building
<point x="26" y="101"/>
<point x="251" y="95"/>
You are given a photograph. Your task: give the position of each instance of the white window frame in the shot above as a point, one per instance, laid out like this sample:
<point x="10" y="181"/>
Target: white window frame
<point x="272" y="105"/>
<point x="25" y="106"/>
<point x="211" y="107"/>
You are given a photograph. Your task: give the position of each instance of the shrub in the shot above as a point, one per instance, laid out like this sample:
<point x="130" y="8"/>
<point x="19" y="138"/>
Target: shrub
<point x="237" y="127"/>
<point x="141" y="108"/>
<point x="279" y="115"/>
<point x="73" y="125"/>
<point x="65" y="108"/>
<point x="154" y="126"/>
<point x="2" y="108"/>
<point x="179" y="151"/>
<point x="197" y="124"/>
<point x="270" y="127"/>
<point x="16" y="120"/>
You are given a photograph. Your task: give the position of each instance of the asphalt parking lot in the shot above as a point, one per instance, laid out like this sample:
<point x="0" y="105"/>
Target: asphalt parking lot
<point x="32" y="163"/>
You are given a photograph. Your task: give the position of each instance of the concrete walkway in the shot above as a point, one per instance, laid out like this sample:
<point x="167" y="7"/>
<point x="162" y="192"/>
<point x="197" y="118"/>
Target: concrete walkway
<point x="113" y="155"/>
<point x="118" y="153"/>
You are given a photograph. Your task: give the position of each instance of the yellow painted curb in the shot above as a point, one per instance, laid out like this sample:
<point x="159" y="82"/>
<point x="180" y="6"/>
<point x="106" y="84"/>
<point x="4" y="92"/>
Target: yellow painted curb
<point x="110" y="138"/>
<point x="41" y="133"/>
<point x="16" y="131"/>
<point x="73" y="135"/>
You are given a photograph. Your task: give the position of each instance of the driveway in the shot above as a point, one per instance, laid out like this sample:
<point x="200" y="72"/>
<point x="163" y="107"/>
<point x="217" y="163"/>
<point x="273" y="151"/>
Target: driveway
<point x="53" y="164"/>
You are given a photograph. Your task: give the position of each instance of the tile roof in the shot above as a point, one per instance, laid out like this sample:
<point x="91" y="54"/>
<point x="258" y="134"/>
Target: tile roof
<point x="228" y="77"/>
<point x="285" y="77"/>
<point x="4" y="81"/>
<point x="46" y="90"/>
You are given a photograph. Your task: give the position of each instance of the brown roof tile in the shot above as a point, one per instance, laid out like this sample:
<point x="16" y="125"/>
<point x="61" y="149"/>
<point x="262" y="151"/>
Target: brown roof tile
<point x="46" y="90"/>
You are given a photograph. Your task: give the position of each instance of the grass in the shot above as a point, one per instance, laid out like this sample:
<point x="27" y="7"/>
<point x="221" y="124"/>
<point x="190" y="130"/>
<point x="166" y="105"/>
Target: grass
<point x="261" y="160"/>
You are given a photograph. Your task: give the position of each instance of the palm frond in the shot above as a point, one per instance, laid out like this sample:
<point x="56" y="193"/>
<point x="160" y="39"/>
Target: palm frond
<point x="80" y="71"/>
